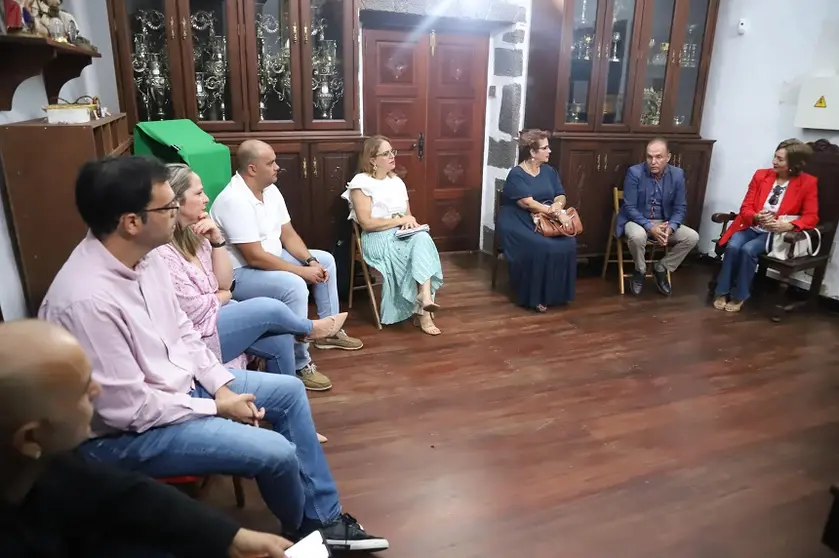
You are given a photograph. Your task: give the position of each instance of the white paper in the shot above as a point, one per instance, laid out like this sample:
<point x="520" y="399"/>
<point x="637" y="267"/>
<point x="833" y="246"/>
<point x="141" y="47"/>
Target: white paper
<point x="311" y="546"/>
<point x="409" y="232"/>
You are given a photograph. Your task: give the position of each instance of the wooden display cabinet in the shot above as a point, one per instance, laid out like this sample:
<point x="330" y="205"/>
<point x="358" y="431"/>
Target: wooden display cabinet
<point x="40" y="163"/>
<point x="606" y="76"/>
<point x="238" y="65"/>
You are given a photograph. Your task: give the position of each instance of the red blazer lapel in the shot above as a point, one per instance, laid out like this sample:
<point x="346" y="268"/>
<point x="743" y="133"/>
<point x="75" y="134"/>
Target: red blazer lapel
<point x="765" y="189"/>
<point x="792" y="199"/>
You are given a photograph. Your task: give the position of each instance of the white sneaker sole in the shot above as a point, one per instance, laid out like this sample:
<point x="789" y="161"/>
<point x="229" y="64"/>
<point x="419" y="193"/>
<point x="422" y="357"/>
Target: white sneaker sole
<point x="367" y="544"/>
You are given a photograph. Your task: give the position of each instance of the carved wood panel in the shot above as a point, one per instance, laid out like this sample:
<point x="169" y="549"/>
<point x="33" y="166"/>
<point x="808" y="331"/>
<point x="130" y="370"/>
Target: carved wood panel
<point x="395" y="96"/>
<point x="456" y="114"/>
<point x="333" y="165"/>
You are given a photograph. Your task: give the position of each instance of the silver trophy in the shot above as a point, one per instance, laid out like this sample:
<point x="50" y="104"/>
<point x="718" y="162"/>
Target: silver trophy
<point x="158" y="84"/>
<point x="273" y="62"/>
<point x="202" y="96"/>
<point x="327" y="86"/>
<point x="616" y="37"/>
<point x="149" y="64"/>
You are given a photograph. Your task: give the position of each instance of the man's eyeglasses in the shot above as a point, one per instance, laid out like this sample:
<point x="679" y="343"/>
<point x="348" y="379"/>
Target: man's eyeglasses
<point x="174" y="206"/>
<point x="387" y="153"/>
<point x="776" y="194"/>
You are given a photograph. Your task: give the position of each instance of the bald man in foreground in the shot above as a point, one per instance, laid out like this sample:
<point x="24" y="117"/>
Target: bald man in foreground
<point x="54" y="504"/>
<point x="269" y="257"/>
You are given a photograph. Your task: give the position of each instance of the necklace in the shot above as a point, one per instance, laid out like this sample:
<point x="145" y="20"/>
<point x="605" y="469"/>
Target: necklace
<point x="529" y="168"/>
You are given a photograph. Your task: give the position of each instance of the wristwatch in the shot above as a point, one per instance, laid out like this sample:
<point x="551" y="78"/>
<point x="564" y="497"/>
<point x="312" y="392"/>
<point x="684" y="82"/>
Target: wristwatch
<point x="221" y="244"/>
<point x="309" y="260"/>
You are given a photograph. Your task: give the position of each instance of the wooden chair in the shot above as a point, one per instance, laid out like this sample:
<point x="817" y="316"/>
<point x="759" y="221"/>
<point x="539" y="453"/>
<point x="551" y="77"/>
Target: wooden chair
<point x="192" y="485"/>
<point x="497" y="252"/>
<point x="355" y="256"/>
<point x="617" y="198"/>
<point x="824" y="165"/>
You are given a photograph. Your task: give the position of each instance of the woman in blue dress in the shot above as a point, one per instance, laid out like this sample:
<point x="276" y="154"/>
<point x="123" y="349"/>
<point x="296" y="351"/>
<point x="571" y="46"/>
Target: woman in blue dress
<point x="543" y="269"/>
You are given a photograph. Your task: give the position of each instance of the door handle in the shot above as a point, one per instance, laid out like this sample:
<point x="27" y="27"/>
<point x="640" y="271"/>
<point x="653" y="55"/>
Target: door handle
<point x="294" y="33"/>
<point x="183" y="28"/>
<point x="605" y="161"/>
<point x="315" y="167"/>
<point x="421" y="146"/>
<point x="305" y="168"/>
<point x="598" y="162"/>
<point x="172" y="27"/>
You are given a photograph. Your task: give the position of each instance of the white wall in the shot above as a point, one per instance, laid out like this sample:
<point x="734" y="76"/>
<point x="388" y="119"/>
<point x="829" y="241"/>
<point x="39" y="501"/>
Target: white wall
<point x="753" y="92"/>
<point x="493" y="109"/>
<point x="97" y="79"/>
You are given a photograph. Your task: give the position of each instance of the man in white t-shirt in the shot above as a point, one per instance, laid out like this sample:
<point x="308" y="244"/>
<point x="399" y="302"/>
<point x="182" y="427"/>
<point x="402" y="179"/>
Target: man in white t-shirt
<point x="269" y="257"/>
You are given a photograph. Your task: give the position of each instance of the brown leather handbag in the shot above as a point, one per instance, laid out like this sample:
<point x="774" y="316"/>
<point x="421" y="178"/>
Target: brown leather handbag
<point x="550" y="226"/>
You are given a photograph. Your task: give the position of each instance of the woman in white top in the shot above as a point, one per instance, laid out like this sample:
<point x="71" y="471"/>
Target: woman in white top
<point x="410" y="265"/>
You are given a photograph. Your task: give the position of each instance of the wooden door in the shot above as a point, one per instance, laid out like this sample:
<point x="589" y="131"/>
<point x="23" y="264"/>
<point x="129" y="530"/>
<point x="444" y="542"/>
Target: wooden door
<point x="272" y="69"/>
<point x="395" y="99"/>
<point x="328" y="56"/>
<point x="210" y="36"/>
<point x="654" y="68"/>
<point x="147" y="57"/>
<point x="455" y="146"/>
<point x="612" y="113"/>
<point x="579" y="170"/>
<point x="692" y="41"/>
<point x="581" y="53"/>
<point x="426" y="92"/>
<point x="694" y="159"/>
<point x="331" y="166"/>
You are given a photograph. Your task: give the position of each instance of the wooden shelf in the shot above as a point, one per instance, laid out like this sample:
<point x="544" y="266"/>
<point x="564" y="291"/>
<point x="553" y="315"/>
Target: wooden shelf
<point x="24" y="56"/>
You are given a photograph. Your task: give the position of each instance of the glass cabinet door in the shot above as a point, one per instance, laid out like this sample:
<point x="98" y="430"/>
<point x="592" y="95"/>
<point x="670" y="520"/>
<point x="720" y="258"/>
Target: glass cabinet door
<point x="690" y="36"/>
<point x="211" y="59"/>
<point x="328" y="57"/>
<point x="580" y="66"/>
<point x="150" y="61"/>
<point x="657" y="58"/>
<point x="274" y="35"/>
<point x="617" y="77"/>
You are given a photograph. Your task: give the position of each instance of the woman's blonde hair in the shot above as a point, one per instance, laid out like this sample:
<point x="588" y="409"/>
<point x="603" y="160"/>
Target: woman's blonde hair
<point x="369" y="151"/>
<point x="184" y="240"/>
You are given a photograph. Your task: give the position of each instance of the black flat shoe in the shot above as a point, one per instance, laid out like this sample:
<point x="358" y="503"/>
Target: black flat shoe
<point x="636" y="283"/>
<point x="662" y="283"/>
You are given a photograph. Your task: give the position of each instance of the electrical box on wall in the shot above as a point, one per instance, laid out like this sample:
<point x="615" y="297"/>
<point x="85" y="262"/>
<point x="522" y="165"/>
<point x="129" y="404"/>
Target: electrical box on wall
<point x="818" y="104"/>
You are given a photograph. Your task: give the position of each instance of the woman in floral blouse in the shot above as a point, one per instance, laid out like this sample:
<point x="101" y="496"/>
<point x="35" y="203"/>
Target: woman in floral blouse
<point x="203" y="278"/>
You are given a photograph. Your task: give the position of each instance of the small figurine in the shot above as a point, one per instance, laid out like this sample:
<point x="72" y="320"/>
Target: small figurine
<point x="51" y="9"/>
<point x="32" y="18"/>
<point x="13" y="16"/>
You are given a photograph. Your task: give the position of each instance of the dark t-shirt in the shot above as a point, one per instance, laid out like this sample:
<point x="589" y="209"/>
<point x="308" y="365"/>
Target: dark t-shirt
<point x="76" y="508"/>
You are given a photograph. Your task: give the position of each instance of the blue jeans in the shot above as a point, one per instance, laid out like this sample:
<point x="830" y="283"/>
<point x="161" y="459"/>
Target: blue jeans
<point x="739" y="263"/>
<point x="293" y="290"/>
<point x="287" y="462"/>
<point x="263" y="327"/>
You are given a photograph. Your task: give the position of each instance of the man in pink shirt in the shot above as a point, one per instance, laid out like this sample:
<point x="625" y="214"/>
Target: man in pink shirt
<point x="167" y="406"/>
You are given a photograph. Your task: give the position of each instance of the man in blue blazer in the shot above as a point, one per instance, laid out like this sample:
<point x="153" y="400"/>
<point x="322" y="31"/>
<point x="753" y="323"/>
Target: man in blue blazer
<point x="654" y="207"/>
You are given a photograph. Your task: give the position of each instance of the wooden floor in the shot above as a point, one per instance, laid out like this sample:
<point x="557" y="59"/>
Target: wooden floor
<point x="617" y="427"/>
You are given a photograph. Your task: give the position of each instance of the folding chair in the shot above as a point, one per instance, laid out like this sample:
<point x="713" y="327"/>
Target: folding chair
<point x="617" y="198"/>
<point x="355" y="256"/>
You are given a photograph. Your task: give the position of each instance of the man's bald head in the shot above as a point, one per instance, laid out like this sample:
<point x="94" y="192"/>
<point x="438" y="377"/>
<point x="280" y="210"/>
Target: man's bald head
<point x="249" y="151"/>
<point x="45" y="388"/>
<point x="257" y="163"/>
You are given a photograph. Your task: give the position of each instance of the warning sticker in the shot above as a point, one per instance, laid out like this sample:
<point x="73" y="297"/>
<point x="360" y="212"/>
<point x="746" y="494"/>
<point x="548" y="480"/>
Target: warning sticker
<point x="821" y="103"/>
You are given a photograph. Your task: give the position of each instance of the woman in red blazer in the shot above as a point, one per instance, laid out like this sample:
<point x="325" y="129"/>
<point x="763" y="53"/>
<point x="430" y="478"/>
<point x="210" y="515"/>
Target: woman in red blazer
<point x="783" y="190"/>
